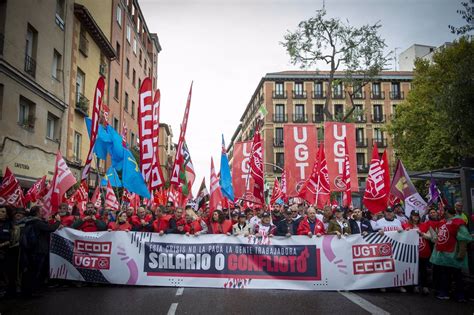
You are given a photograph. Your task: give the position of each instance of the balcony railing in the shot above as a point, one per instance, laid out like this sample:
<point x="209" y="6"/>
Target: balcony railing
<point x="318" y="118"/>
<point x="359" y="96"/>
<point x="278" y="143"/>
<point x="361" y="143"/>
<point x="82" y="104"/>
<point x="2" y="40"/>
<point x="278" y="169"/>
<point x="396" y="95"/>
<point x="30" y="65"/>
<point x="83" y="45"/>
<point x="377" y="96"/>
<point x="280" y="118"/>
<point x="299" y="94"/>
<point x="319" y="95"/>
<point x="279" y="95"/>
<point x="362" y="168"/>
<point x="360" y="118"/>
<point x="300" y="118"/>
<point x="338" y="96"/>
<point x="378" y="118"/>
<point x="381" y="143"/>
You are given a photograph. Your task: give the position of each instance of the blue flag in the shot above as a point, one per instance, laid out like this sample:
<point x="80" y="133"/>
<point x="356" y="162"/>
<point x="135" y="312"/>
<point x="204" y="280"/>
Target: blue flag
<point x="111" y="176"/>
<point x="103" y="141"/>
<point x="117" y="150"/>
<point x="225" y="181"/>
<point x="132" y="178"/>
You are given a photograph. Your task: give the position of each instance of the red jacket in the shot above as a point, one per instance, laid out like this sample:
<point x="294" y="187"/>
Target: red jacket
<point x="136" y="222"/>
<point x="220" y="228"/>
<point x="114" y="226"/>
<point x="90" y="226"/>
<point x="423" y="245"/>
<point x="447" y="233"/>
<point x="162" y="224"/>
<point x="66" y="220"/>
<point x="193" y="227"/>
<point x="304" y="227"/>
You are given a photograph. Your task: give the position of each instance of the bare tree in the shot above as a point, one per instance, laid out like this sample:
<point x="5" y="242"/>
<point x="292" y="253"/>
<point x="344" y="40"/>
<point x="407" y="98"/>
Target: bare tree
<point x="467" y="14"/>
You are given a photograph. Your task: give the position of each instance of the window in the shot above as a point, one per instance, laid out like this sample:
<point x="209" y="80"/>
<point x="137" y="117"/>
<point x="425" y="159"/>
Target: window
<point x="127" y="68"/>
<point x="360" y="136"/>
<point x="299" y="113"/>
<point x="280" y="160"/>
<point x="133" y="77"/>
<point x="125" y="103"/>
<point x="280" y="113"/>
<point x="77" y="147"/>
<point x="378" y="135"/>
<point x="129" y="34"/>
<point x="30" y="50"/>
<point x="135" y="46"/>
<point x="60" y="13"/>
<point x="278" y="136"/>
<point x="318" y="113"/>
<point x="394" y="110"/>
<point x="376" y="89"/>
<point x="116" y="123"/>
<point x="26" y="113"/>
<point x="139" y="83"/>
<point x="359" y="113"/>
<point x="133" y="143"/>
<point x="133" y="109"/>
<point x="116" y="90"/>
<point x="138" y="25"/>
<point x="378" y="113"/>
<point x="318" y="89"/>
<point x="52" y="125"/>
<point x="279" y="88"/>
<point x="118" y="12"/>
<point x="299" y="88"/>
<point x="337" y="90"/>
<point x="140" y="57"/>
<point x="56" y="67"/>
<point x="395" y="92"/>
<point x="117" y="48"/>
<point x="338" y="110"/>
<point x="144" y="68"/>
<point x="360" y="161"/>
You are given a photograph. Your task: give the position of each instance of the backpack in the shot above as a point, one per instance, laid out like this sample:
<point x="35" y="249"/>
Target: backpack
<point x="29" y="237"/>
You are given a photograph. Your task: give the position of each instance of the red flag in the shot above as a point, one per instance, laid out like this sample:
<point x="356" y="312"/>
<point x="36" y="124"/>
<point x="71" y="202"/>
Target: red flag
<point x="276" y="193"/>
<point x="110" y="199"/>
<point x="346" y="178"/>
<point x="80" y="197"/>
<point x="63" y="179"/>
<point x="10" y="191"/>
<point x="216" y="196"/>
<point x="386" y="173"/>
<point x="283" y="185"/>
<point x="174" y="196"/>
<point x="96" y="198"/>
<point x="124" y="134"/>
<point x="178" y="161"/>
<point x="36" y="191"/>
<point x="316" y="189"/>
<point x="99" y="93"/>
<point x="256" y="166"/>
<point x="145" y="129"/>
<point x="375" y="196"/>
<point x="157" y="179"/>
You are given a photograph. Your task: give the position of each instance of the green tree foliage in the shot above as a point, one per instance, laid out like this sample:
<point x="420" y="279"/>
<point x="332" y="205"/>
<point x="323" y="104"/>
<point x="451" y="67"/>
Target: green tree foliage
<point x="434" y="127"/>
<point x="357" y="50"/>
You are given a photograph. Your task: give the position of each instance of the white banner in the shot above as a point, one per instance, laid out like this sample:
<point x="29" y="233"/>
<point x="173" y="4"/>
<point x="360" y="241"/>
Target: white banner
<point x="220" y="261"/>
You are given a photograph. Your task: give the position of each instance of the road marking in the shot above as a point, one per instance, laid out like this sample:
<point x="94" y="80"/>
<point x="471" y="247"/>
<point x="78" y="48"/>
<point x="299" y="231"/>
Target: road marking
<point x="172" y="309"/>
<point x="366" y="305"/>
<point x="180" y="291"/>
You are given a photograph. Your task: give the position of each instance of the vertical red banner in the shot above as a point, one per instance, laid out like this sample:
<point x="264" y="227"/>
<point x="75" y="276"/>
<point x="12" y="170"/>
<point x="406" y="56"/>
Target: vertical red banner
<point x="300" y="151"/>
<point x="145" y="129"/>
<point x="242" y="182"/>
<point x="334" y="134"/>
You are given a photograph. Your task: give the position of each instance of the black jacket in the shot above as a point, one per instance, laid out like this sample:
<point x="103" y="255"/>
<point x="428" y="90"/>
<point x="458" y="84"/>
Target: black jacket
<point x="365" y="226"/>
<point x="284" y="227"/>
<point x="43" y="229"/>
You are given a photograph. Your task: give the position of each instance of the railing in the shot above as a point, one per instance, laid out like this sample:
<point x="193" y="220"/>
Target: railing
<point x="299" y="94"/>
<point x="361" y="143"/>
<point x="381" y="143"/>
<point x="360" y="118"/>
<point x="280" y="118"/>
<point x="377" y="96"/>
<point x="278" y="168"/>
<point x="319" y="95"/>
<point x="279" y="95"/>
<point x="363" y="168"/>
<point x="378" y="118"/>
<point x="278" y="143"/>
<point x="396" y="95"/>
<point x="318" y="118"/>
<point x="300" y="118"/>
<point x="359" y="96"/>
<point x="337" y="96"/>
<point x="30" y="65"/>
<point x="83" y="45"/>
<point x="82" y="104"/>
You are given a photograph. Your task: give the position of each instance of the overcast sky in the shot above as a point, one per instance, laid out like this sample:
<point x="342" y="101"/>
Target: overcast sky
<point x="226" y="47"/>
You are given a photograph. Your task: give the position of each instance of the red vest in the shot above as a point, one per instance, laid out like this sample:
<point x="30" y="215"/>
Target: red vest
<point x="193" y="227"/>
<point x="221" y="228"/>
<point x="115" y="226"/>
<point x="423" y="245"/>
<point x="88" y="226"/>
<point x="162" y="224"/>
<point x="304" y="228"/>
<point x="447" y="233"/>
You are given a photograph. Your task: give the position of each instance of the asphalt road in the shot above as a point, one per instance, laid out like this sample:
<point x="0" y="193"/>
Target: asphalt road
<point x="154" y="300"/>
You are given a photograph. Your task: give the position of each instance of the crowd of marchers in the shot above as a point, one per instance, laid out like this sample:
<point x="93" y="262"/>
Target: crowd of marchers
<point x="443" y="235"/>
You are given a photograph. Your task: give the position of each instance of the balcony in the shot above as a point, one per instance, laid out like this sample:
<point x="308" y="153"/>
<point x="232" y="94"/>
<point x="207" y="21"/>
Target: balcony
<point x="362" y="168"/>
<point x="278" y="143"/>
<point x="360" y="118"/>
<point x="381" y="143"/>
<point x="82" y="104"/>
<point x="83" y="45"/>
<point x="319" y="95"/>
<point x="359" y="96"/>
<point x="361" y="143"/>
<point x="299" y="94"/>
<point x="2" y="40"/>
<point x="396" y="95"/>
<point x="300" y="118"/>
<point x="377" y="95"/>
<point x="338" y="96"/>
<point x="318" y="118"/>
<point x="30" y="65"/>
<point x="378" y="118"/>
<point x="279" y="95"/>
<point x="280" y="118"/>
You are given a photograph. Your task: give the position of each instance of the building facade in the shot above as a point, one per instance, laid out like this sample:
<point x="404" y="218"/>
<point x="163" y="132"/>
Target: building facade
<point x="299" y="97"/>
